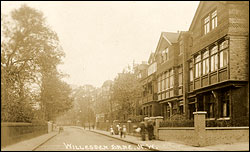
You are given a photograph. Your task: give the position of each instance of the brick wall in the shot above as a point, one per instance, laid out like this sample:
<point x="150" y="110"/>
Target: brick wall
<point x="226" y="135"/>
<point x="239" y="58"/>
<point x="15" y="132"/>
<point x="180" y="135"/>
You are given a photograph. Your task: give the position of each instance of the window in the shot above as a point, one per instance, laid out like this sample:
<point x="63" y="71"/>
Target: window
<point x="206" y="24"/>
<point x="180" y="80"/>
<point x="214" y="58"/>
<point x="205" y="62"/>
<point x="171" y="78"/>
<point x="210" y="100"/>
<point x="163" y="82"/>
<point x="225" y="104"/>
<point x="197" y="66"/>
<point x="180" y="76"/>
<point x="165" y="55"/>
<point x="191" y="71"/>
<point x="214" y="19"/>
<point x="181" y="51"/>
<point x="159" y="84"/>
<point x="167" y="80"/>
<point x="223" y="53"/>
<point x="210" y="22"/>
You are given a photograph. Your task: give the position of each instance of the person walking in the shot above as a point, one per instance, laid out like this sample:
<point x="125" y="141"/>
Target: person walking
<point x="121" y="131"/>
<point x="118" y="128"/>
<point x="124" y="131"/>
<point x="143" y="131"/>
<point x="111" y="130"/>
<point x="150" y="129"/>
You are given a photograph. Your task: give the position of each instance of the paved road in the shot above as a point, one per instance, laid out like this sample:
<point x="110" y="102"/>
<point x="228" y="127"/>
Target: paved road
<point x="75" y="139"/>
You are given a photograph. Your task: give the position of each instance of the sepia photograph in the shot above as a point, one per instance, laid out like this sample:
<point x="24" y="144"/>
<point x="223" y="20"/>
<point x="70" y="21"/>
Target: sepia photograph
<point x="124" y="75"/>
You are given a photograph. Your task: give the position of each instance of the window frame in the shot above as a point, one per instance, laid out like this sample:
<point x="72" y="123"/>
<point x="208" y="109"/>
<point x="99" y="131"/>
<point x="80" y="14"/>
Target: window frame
<point x="197" y="65"/>
<point x="205" y="62"/>
<point x="221" y="51"/>
<point x="214" y="59"/>
<point x="210" y="22"/>
<point x="191" y="71"/>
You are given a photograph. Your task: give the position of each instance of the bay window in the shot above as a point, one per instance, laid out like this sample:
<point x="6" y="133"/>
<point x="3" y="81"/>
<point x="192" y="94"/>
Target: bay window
<point x="197" y="66"/>
<point x="205" y="62"/>
<point x="214" y="58"/>
<point x="163" y="82"/>
<point x="191" y="71"/>
<point x="223" y="53"/>
<point x="171" y="78"/>
<point x="167" y="80"/>
<point x="180" y="76"/>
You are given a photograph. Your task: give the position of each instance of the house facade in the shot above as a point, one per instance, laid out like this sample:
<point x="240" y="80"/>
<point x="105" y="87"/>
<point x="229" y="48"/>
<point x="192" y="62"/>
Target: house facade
<point x="150" y="104"/>
<point x="169" y="74"/>
<point x="207" y="67"/>
<point x="218" y="61"/>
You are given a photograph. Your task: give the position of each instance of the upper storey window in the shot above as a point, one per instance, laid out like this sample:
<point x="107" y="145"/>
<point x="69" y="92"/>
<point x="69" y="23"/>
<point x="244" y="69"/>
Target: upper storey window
<point x="210" y="22"/>
<point x="165" y="55"/>
<point x="214" y="19"/>
<point x="206" y="25"/>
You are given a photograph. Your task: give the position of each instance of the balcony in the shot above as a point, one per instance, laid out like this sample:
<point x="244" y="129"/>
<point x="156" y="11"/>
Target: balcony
<point x="214" y="77"/>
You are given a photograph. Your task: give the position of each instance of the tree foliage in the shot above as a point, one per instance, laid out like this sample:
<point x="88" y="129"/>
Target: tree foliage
<point x="30" y="52"/>
<point x="125" y="93"/>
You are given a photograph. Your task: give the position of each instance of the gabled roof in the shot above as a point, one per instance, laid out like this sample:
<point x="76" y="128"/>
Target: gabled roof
<point x="151" y="56"/>
<point x="168" y="36"/>
<point x="196" y="15"/>
<point x="171" y="37"/>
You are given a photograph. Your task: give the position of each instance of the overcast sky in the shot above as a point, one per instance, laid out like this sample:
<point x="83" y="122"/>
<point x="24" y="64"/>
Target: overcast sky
<point x="100" y="38"/>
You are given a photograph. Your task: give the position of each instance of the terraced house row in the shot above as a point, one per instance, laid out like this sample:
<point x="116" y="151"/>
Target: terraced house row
<point x="203" y="69"/>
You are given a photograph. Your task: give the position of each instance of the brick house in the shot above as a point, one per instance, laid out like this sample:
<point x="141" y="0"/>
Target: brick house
<point x="169" y="74"/>
<point x="218" y="61"/>
<point x="150" y="105"/>
<point x="206" y="68"/>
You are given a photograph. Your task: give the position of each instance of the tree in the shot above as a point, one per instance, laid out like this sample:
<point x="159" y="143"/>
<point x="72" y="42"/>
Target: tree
<point x="84" y="101"/>
<point x="29" y="56"/>
<point x="125" y="92"/>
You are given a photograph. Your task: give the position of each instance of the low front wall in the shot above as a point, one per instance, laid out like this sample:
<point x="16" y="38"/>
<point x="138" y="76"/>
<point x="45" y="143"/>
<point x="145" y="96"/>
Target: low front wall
<point x="226" y="135"/>
<point x="12" y="132"/>
<point x="184" y="135"/>
<point x="213" y="135"/>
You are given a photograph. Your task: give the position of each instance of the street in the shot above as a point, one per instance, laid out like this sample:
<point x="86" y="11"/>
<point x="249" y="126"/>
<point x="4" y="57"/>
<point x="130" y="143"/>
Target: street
<point x="73" y="139"/>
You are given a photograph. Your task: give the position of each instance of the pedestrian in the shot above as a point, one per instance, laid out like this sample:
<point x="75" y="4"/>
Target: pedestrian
<point x="118" y="128"/>
<point x="143" y="130"/>
<point x="150" y="129"/>
<point x="124" y="131"/>
<point x="111" y="130"/>
<point x="121" y="131"/>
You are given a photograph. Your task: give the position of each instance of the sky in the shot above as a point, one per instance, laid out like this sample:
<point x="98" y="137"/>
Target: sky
<point x="100" y="38"/>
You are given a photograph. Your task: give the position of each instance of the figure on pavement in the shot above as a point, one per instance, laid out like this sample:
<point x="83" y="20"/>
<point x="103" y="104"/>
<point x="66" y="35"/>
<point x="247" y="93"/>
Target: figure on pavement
<point x="121" y="131"/>
<point x="111" y="130"/>
<point x="150" y="129"/>
<point x="143" y="130"/>
<point x="124" y="131"/>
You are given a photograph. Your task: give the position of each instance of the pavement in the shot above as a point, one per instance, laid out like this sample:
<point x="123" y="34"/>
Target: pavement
<point x="30" y="144"/>
<point x="156" y="145"/>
